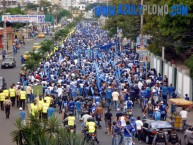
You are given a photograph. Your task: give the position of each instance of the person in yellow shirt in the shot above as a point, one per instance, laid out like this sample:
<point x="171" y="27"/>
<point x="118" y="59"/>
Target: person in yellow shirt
<point x="71" y="121"/>
<point x="6" y="92"/>
<point x="47" y="98"/>
<point x="45" y="107"/>
<point x="40" y="104"/>
<point x="91" y="127"/>
<point x="34" y="109"/>
<point x="12" y="94"/>
<point x="2" y="99"/>
<point x="22" y="98"/>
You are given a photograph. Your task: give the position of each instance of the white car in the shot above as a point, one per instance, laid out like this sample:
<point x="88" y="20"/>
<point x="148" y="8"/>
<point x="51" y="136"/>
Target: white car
<point x="188" y="136"/>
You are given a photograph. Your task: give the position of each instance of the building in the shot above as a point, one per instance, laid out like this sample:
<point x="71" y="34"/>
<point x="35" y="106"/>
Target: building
<point x="66" y="4"/>
<point x="92" y="1"/>
<point x="80" y="6"/>
<point x="9" y="4"/>
<point x="10" y="37"/>
<point x="32" y="1"/>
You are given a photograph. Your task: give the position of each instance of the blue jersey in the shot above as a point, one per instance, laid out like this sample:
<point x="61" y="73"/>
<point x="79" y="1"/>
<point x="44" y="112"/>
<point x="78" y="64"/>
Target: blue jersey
<point x="71" y="106"/>
<point x="97" y="99"/>
<point x="93" y="109"/>
<point x="143" y="94"/>
<point x="129" y="104"/>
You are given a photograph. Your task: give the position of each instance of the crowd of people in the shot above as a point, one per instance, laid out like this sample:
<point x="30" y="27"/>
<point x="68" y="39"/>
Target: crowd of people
<point x="89" y="78"/>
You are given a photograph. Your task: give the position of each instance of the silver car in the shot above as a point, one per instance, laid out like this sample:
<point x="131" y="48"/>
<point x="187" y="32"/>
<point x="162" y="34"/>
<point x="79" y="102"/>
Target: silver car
<point x="188" y="136"/>
<point x="8" y="62"/>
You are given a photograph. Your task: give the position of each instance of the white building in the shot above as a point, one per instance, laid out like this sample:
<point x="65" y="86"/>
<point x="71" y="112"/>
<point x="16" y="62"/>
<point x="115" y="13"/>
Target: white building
<point x="66" y="4"/>
<point x="91" y="1"/>
<point x="9" y="3"/>
<point x="32" y="1"/>
<point x="81" y="7"/>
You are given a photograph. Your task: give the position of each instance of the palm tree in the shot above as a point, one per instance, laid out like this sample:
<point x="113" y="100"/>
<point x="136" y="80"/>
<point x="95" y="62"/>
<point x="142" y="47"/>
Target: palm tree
<point x="48" y="132"/>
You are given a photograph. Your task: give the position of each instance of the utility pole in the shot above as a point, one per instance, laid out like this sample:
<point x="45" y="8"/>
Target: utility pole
<point x="4" y="29"/>
<point x="141" y="19"/>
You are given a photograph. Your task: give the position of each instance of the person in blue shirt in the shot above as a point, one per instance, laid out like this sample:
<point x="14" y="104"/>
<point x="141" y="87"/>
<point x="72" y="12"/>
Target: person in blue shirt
<point x="156" y="114"/>
<point x="164" y="92"/>
<point x="134" y="130"/>
<point x="97" y="99"/>
<point x="170" y="90"/>
<point x="78" y="105"/>
<point x="50" y="111"/>
<point x="163" y="110"/>
<point x="71" y="106"/>
<point x="187" y="97"/>
<point x="22" y="115"/>
<point x="143" y="95"/>
<point x="128" y="133"/>
<point x="109" y="96"/>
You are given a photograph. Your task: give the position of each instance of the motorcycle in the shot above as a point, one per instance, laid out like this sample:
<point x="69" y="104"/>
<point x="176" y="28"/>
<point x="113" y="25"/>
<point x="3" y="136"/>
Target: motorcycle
<point x="92" y="138"/>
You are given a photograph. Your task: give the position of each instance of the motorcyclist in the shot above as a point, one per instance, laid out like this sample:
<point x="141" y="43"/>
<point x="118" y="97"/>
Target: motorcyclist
<point x="91" y="129"/>
<point x="160" y="138"/>
<point x="71" y="121"/>
<point x="173" y="138"/>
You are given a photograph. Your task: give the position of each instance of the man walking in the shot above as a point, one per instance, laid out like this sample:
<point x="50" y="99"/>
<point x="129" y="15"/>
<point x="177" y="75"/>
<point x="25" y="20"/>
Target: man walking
<point x="183" y="115"/>
<point x="7" y="106"/>
<point x="128" y="133"/>
<point x="12" y="94"/>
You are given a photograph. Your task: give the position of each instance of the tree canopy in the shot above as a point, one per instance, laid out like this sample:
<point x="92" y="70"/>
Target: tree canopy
<point x="130" y="25"/>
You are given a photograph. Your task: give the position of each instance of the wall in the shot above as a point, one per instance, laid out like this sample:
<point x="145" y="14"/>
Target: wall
<point x="176" y="76"/>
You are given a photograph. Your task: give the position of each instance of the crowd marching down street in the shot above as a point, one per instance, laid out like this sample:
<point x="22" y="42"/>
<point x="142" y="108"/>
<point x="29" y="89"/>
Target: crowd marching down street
<point x="90" y="79"/>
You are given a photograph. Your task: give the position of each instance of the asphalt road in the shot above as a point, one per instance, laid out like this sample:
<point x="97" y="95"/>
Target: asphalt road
<point x="7" y="125"/>
<point x="11" y="75"/>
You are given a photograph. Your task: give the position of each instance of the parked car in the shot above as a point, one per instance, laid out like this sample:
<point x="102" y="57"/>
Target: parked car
<point x="36" y="46"/>
<point x="41" y="35"/>
<point x="8" y="62"/>
<point x="188" y="136"/>
<point x="151" y="127"/>
<point x="3" y="84"/>
<point x="26" y="55"/>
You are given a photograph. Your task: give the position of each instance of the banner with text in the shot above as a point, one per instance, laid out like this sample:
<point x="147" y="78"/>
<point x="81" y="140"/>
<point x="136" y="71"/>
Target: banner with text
<point x="23" y="18"/>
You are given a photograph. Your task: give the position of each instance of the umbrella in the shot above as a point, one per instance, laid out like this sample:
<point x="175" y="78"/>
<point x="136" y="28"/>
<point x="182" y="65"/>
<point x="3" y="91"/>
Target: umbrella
<point x="181" y="102"/>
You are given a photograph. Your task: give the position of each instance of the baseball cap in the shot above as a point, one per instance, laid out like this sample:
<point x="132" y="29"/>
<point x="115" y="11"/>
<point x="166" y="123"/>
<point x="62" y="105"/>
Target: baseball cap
<point x="20" y="108"/>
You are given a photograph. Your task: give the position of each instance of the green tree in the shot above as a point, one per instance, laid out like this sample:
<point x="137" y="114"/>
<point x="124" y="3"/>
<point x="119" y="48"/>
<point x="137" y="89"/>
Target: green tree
<point x="30" y="64"/>
<point x="64" y="13"/>
<point x="47" y="132"/>
<point x="31" y="6"/>
<point x="189" y="64"/>
<point x="46" y="46"/>
<point x="173" y="32"/>
<point x="130" y="25"/>
<point x="91" y="6"/>
<point x="15" y="11"/>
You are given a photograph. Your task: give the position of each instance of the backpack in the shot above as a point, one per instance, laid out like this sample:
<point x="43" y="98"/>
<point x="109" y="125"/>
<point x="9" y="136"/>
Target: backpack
<point x="161" y="137"/>
<point x="173" y="138"/>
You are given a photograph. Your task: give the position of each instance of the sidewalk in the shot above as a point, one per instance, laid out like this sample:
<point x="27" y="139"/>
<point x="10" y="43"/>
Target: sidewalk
<point x="178" y="109"/>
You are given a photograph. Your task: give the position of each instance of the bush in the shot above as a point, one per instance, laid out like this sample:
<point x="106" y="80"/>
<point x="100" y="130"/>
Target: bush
<point x="189" y="64"/>
<point x="47" y="132"/>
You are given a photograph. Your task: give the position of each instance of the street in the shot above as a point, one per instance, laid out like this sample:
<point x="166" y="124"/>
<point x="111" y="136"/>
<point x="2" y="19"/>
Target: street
<point x="11" y="75"/>
<point x="7" y="125"/>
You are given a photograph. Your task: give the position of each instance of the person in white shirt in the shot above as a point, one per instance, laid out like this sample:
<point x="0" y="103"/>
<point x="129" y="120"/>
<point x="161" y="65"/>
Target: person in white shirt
<point x="140" y="85"/>
<point x="115" y="97"/>
<point x="85" y="117"/>
<point x="139" y="125"/>
<point x="183" y="115"/>
<point x="59" y="91"/>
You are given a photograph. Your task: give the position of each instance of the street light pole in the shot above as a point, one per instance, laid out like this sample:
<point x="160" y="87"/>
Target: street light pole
<point x="141" y="19"/>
